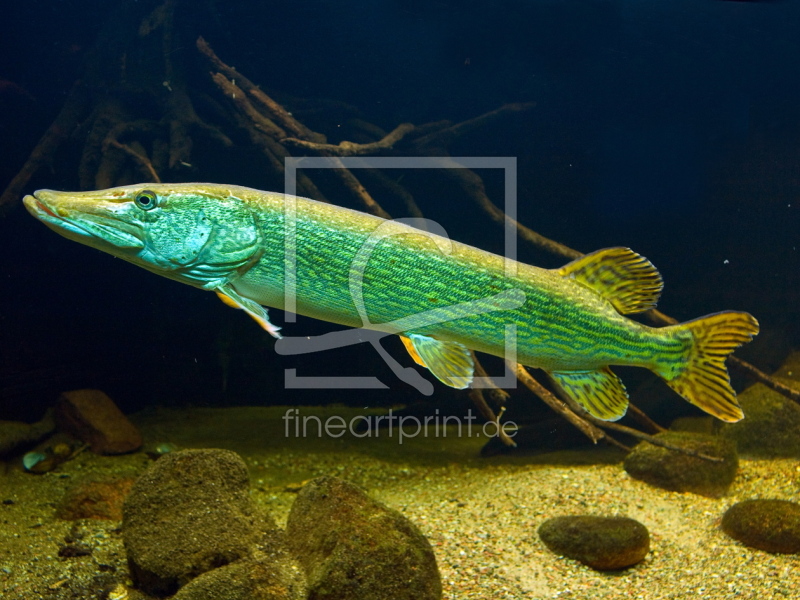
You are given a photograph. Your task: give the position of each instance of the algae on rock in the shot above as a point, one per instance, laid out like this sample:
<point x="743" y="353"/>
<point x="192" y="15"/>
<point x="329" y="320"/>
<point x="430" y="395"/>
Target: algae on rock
<point x="771" y="427"/>
<point x="679" y="472"/>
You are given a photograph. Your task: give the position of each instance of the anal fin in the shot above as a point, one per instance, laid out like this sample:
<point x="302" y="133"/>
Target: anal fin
<point x="450" y="362"/>
<point x="600" y="393"/>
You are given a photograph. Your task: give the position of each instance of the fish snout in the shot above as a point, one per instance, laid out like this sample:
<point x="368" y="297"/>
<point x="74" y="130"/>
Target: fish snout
<point x="41" y="203"/>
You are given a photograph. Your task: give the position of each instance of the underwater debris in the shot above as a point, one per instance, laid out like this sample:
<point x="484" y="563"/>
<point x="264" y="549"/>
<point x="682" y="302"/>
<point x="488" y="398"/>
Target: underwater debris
<point x="769" y="525"/>
<point x="355" y="548"/>
<point x="32" y="459"/>
<point x="92" y="417"/>
<point x="43" y="461"/>
<point x="158" y="450"/>
<point x="603" y="543"/>
<point x="117" y="592"/>
<point x="680" y="472"/>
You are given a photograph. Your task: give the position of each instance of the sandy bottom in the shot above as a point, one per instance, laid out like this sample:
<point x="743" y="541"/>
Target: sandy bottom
<point x="480" y="515"/>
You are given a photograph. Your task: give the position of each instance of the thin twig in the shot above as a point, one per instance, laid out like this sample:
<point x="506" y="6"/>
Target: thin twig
<point x="762" y="377"/>
<point x="352" y="183"/>
<point x="651" y="439"/>
<point x="236" y="95"/>
<point x="472" y="184"/>
<point x="476" y="395"/>
<point x="593" y="433"/>
<point x="499" y="395"/>
<point x="346" y="148"/>
<point x="142" y="162"/>
<point x="443" y="137"/>
<point x="394" y="188"/>
<point x="278" y="113"/>
<point x="640" y="416"/>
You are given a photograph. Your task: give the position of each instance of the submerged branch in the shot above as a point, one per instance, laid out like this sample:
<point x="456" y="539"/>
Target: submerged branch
<point x="144" y="164"/>
<point x="651" y="439"/>
<point x="279" y="114"/>
<point x="346" y="148"/>
<point x="72" y="112"/>
<point x="476" y="395"/>
<point x="589" y="430"/>
<point x="443" y="137"/>
<point x="473" y="186"/>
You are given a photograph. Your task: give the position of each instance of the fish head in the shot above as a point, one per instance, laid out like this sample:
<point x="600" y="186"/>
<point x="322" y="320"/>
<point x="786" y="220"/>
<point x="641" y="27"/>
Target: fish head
<point x="199" y="234"/>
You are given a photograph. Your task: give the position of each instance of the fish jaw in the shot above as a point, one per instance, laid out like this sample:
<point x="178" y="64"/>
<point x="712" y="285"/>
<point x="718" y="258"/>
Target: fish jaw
<point x="91" y="218"/>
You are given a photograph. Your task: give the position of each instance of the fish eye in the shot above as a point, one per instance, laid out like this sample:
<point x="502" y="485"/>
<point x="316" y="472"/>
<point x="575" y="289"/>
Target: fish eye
<point x="146" y="200"/>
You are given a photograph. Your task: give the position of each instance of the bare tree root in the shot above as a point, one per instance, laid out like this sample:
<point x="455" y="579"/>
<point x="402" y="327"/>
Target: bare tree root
<point x="71" y="114"/>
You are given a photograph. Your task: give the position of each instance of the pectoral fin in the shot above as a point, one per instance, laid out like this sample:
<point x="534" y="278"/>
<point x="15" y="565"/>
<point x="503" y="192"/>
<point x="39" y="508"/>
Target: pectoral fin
<point x="450" y="362"/>
<point x="600" y="392"/>
<point x="229" y="296"/>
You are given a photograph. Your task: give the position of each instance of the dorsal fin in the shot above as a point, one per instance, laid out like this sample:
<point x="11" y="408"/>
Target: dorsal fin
<point x="626" y="279"/>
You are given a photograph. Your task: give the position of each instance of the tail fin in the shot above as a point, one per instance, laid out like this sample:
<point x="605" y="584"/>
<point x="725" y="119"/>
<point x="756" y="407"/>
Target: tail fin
<point x="704" y="379"/>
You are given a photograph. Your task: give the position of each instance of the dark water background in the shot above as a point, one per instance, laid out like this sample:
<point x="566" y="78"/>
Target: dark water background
<point x="669" y="127"/>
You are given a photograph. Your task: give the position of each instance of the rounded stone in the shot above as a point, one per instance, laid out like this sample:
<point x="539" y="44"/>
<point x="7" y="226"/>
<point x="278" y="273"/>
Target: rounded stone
<point x="678" y="472"/>
<point x="355" y="548"/>
<point x="603" y="543"/>
<point x="769" y="525"/>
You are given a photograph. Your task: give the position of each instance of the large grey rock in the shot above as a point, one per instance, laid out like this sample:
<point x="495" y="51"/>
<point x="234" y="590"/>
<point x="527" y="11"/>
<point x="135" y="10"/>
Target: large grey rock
<point x="355" y="548"/>
<point x="189" y="513"/>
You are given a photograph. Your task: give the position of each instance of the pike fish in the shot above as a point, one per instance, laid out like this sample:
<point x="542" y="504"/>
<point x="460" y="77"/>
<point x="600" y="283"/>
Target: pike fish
<point x="445" y="299"/>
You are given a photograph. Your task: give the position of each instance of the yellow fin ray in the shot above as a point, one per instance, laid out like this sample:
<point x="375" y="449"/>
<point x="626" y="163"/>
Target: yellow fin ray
<point x="252" y="308"/>
<point x="450" y="362"/>
<point x="704" y="379"/>
<point x="600" y="393"/>
<point x="626" y="279"/>
<point x="412" y="351"/>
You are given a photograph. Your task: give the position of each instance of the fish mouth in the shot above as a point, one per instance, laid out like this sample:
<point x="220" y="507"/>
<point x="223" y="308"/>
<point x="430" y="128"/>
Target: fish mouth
<point x="35" y="205"/>
<point x="86" y="219"/>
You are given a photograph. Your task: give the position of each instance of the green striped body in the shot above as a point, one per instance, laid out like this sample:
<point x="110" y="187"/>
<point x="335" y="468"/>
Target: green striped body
<point x="561" y="326"/>
<point x="259" y="248"/>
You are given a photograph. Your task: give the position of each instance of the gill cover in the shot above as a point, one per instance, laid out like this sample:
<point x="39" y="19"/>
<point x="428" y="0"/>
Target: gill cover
<point x="203" y="240"/>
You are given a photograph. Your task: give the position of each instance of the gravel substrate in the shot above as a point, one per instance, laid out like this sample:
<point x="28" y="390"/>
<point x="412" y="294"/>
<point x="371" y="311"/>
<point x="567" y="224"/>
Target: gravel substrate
<point x="480" y="515"/>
